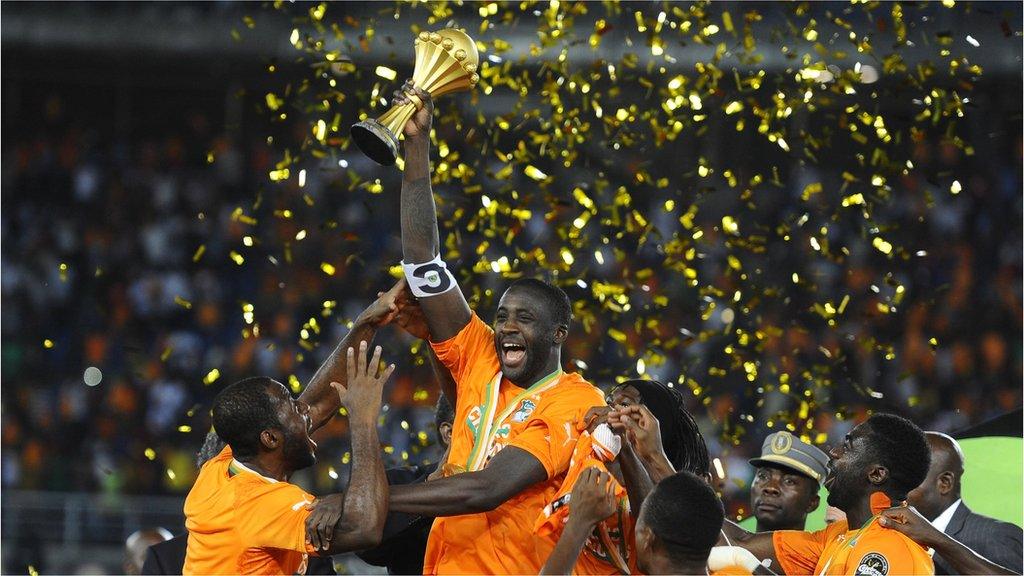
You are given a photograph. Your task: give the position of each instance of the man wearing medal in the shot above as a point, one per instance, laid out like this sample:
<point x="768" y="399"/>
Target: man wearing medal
<point x="515" y="409"/>
<point x="877" y="465"/>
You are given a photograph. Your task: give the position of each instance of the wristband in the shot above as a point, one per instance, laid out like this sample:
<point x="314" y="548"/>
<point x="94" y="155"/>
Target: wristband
<point x="429" y="278"/>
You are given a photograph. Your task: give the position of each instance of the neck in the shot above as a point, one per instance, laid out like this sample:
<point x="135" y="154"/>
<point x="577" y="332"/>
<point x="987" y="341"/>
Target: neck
<point x="858" y="514"/>
<point x="861" y="512"/>
<point x="663" y="565"/>
<point x="554" y="363"/>
<point x="267" y="467"/>
<point x="794" y="525"/>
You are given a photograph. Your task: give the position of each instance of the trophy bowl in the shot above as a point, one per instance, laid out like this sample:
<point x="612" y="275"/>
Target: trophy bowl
<point x="446" y="61"/>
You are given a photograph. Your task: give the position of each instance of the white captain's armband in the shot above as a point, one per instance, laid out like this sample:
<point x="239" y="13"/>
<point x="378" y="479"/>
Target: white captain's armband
<point x="429" y="278"/>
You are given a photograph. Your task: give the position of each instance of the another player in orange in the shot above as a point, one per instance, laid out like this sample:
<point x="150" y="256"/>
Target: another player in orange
<point x="660" y="437"/>
<point x="878" y="463"/>
<point x="243" y="516"/>
<point x="515" y="409"/>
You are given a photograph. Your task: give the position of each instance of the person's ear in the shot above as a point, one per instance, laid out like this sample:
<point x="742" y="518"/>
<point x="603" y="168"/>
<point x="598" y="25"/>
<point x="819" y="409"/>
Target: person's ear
<point x="945" y="482"/>
<point x="813" y="504"/>
<point x="445" y="433"/>
<point x="561" y="333"/>
<point x="878" y="474"/>
<point x="271" y="439"/>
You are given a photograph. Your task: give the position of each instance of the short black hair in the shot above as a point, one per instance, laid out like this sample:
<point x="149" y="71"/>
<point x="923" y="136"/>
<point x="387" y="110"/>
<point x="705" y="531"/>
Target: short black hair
<point x="684" y="513"/>
<point x="242" y="411"/>
<point x="681" y="439"/>
<point x="555" y="300"/>
<point x="444" y="412"/>
<point x="900" y="446"/>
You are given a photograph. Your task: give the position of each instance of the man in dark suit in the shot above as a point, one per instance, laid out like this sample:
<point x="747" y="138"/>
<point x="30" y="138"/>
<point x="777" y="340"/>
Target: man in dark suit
<point x="938" y="500"/>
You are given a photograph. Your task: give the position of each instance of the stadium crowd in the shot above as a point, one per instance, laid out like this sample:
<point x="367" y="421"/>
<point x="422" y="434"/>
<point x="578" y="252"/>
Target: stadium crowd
<point x="99" y="270"/>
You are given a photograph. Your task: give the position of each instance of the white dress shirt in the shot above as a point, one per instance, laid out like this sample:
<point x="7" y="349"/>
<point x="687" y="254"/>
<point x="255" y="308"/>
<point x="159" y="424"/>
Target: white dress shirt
<point x="942" y="520"/>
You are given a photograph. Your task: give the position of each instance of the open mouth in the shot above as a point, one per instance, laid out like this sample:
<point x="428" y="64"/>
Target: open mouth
<point x="512" y="355"/>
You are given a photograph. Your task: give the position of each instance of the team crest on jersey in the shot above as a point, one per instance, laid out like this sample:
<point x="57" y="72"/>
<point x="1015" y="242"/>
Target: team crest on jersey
<point x="524" y="411"/>
<point x="873" y="564"/>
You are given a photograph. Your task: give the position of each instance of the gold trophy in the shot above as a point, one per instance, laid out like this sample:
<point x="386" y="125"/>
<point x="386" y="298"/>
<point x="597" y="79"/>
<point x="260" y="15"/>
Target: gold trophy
<point x="446" y="61"/>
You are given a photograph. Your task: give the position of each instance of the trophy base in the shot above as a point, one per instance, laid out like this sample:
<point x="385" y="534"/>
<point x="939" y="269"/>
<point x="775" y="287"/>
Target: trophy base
<point x="376" y="141"/>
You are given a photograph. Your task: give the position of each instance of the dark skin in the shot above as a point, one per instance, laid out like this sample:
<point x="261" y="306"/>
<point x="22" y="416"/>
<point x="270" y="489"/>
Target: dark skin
<point x="362" y="522"/>
<point x="652" y="557"/>
<point x="781" y="498"/>
<point x="853" y="476"/>
<point x="941" y="488"/>
<point x="520" y="321"/>
<point x="354" y="520"/>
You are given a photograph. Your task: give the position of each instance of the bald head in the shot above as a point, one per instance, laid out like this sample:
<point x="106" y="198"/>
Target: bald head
<point x="138" y="543"/>
<point x="941" y="488"/>
<point x="946" y="453"/>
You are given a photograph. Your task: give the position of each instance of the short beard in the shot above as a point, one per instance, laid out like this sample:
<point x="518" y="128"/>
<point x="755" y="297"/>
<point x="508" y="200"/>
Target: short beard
<point x="297" y="454"/>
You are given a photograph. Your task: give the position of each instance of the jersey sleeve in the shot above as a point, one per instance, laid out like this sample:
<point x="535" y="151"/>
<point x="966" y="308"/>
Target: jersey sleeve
<point x="550" y="434"/>
<point x="275" y="517"/>
<point x="465" y="351"/>
<point x="798" y="551"/>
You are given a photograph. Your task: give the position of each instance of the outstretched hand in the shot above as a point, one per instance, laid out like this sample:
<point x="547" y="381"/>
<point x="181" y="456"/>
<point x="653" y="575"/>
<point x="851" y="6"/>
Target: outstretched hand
<point x="419" y="124"/>
<point x="362" y="396"/>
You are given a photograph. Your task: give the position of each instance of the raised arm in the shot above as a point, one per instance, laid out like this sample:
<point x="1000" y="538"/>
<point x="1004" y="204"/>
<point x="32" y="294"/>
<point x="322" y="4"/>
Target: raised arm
<point x="409" y="317"/>
<point x="510" y="472"/>
<point x="322" y="400"/>
<point x="445" y="308"/>
<point x="358" y="522"/>
<point x="962" y="559"/>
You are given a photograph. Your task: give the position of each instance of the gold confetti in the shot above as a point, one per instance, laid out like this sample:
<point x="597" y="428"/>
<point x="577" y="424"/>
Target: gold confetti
<point x="150" y="454"/>
<point x="386" y="73"/>
<point x="211" y="376"/>
<point x="47" y="343"/>
<point x="182" y="302"/>
<point x="327" y="268"/>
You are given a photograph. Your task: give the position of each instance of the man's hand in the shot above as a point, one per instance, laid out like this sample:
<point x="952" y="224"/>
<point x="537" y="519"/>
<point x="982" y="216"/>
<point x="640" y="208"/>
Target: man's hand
<point x="640" y="427"/>
<point x="362" y="396"/>
<point x="909" y="522"/>
<point x="386" y="308"/>
<point x="410" y="316"/>
<point x="326" y="511"/>
<point x="419" y="124"/>
<point x="595" y="417"/>
<point x="592" y="498"/>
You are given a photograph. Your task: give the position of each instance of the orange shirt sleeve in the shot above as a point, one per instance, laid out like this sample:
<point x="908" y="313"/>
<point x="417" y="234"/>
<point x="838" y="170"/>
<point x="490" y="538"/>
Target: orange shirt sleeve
<point x="464" y="351"/>
<point x="798" y="551"/>
<point x="550" y="434"/>
<point x="274" y="516"/>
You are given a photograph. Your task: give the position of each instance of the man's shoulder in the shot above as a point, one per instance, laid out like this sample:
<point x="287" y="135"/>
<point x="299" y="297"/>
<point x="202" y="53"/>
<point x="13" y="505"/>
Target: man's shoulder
<point x="573" y="388"/>
<point x="982" y="523"/>
<point x="254" y="491"/>
<point x="895" y="542"/>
